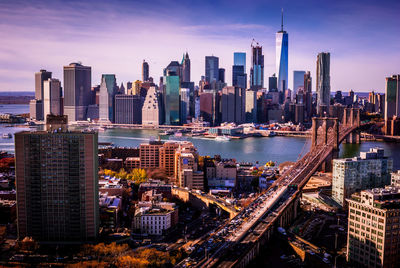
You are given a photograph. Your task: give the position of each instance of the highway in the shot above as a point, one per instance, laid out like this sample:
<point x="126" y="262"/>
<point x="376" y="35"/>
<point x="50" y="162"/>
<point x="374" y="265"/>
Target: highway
<point x="226" y="245"/>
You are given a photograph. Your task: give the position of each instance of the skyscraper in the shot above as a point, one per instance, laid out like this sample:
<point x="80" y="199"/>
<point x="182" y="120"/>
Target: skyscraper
<point x="257" y="67"/>
<point x="77" y="91"/>
<point x="212" y="69"/>
<point x="128" y="109"/>
<point x="392" y="100"/>
<point x="308" y="95"/>
<point x="108" y="90"/>
<point x="52" y="97"/>
<point x="171" y="98"/>
<point x="36" y="105"/>
<point x="239" y="58"/>
<point x="323" y="83"/>
<point x="57" y="183"/>
<point x="145" y="71"/>
<point x="298" y="81"/>
<point x="239" y="77"/>
<point x="282" y="56"/>
<point x="233" y="105"/>
<point x="221" y="75"/>
<point x="185" y="68"/>
<point x="40" y="77"/>
<point x="184" y="104"/>
<point x="151" y="108"/>
<point x="272" y="83"/>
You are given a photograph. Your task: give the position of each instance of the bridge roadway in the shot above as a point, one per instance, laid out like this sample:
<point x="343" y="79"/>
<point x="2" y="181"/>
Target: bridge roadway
<point x="268" y="207"/>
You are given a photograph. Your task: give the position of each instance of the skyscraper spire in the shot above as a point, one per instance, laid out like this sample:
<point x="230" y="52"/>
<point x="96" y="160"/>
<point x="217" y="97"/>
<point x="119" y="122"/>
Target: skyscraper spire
<point x="282" y="21"/>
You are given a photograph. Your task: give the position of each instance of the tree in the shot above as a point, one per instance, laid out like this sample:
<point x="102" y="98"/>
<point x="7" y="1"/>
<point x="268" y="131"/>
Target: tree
<point x="137" y="175"/>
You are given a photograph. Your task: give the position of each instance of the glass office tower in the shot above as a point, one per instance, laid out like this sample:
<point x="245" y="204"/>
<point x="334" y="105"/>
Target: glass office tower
<point x="171" y="101"/>
<point x="282" y="45"/>
<point x="212" y="68"/>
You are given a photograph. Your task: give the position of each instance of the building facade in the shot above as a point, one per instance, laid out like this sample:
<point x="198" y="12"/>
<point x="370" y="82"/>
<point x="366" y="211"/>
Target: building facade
<point x="52" y="97"/>
<point x="212" y="69"/>
<point x="151" y="108"/>
<point x="373" y="228"/>
<point x="282" y="57"/>
<point x="108" y="90"/>
<point x="323" y="83"/>
<point x="57" y="184"/>
<point x="128" y="109"/>
<point x="369" y="170"/>
<point x="77" y="91"/>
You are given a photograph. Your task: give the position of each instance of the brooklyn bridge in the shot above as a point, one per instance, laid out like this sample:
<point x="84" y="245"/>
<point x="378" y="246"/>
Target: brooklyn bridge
<point x="278" y="207"/>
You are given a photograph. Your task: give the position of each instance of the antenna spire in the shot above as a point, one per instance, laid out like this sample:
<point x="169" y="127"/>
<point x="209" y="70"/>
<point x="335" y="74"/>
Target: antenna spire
<point x="282" y="21"/>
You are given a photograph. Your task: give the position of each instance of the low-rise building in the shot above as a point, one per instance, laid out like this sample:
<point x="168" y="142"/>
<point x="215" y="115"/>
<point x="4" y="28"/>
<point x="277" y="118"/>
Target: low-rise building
<point x="159" y="187"/>
<point x="110" y="206"/>
<point x="155" y="218"/>
<point x="132" y="162"/>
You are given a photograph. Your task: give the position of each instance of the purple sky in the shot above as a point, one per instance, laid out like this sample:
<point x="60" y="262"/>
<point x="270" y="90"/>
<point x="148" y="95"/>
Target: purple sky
<point x="115" y="36"/>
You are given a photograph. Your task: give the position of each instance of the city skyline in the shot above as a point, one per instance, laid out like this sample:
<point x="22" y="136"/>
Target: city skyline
<point x="76" y="32"/>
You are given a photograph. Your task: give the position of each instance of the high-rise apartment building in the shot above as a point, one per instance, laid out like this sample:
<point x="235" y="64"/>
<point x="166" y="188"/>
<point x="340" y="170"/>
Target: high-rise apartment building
<point x="373" y="228"/>
<point x="128" y="109"/>
<point x="251" y="106"/>
<point x="371" y="169"/>
<point x="171" y="98"/>
<point x="151" y="108"/>
<point x="282" y="56"/>
<point x="233" y="105"/>
<point x="57" y="184"/>
<point x="323" y="83"/>
<point x="145" y="71"/>
<point x="185" y="68"/>
<point x="108" y="90"/>
<point x="52" y="97"/>
<point x="212" y="69"/>
<point x="257" y="67"/>
<point x="77" y="91"/>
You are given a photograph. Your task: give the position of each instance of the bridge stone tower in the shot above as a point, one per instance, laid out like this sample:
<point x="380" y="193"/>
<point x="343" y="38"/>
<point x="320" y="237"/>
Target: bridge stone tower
<point x="323" y="129"/>
<point x="351" y="117"/>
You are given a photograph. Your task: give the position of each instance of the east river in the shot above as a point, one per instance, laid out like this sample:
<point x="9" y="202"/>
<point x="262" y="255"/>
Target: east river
<point x="278" y="149"/>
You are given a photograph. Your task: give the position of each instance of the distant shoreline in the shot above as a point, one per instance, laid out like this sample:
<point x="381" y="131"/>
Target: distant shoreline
<point x="15" y="99"/>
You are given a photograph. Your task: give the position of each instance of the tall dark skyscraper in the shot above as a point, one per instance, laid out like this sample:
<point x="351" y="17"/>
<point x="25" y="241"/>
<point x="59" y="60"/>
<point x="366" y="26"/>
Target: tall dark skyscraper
<point x="282" y="45"/>
<point x="323" y="82"/>
<point x="145" y="71"/>
<point x="308" y="95"/>
<point x="77" y="91"/>
<point x="239" y="76"/>
<point x="57" y="183"/>
<point x="186" y="68"/>
<point x="212" y="69"/>
<point x="233" y="105"/>
<point x="221" y="75"/>
<point x="272" y="83"/>
<point x="257" y="67"/>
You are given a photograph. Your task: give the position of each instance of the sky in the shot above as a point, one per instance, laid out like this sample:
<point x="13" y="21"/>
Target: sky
<point x="115" y="36"/>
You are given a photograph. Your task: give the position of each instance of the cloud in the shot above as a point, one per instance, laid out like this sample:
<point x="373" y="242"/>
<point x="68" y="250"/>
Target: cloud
<point x="115" y="38"/>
